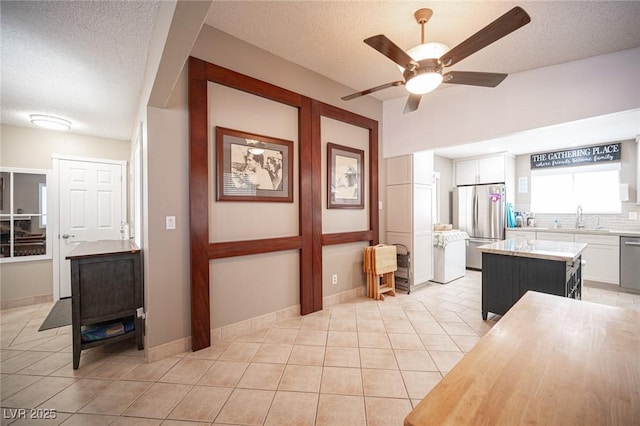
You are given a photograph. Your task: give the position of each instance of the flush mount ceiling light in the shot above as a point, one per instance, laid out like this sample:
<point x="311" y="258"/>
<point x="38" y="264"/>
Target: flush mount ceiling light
<point x="50" y="122"/>
<point x="422" y="67"/>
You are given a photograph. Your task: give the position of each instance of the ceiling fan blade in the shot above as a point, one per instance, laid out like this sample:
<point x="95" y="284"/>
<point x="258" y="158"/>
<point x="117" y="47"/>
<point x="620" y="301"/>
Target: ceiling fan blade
<point x="486" y="79"/>
<point x="389" y="49"/>
<point x="412" y="103"/>
<point x="373" y="89"/>
<point x="506" y="24"/>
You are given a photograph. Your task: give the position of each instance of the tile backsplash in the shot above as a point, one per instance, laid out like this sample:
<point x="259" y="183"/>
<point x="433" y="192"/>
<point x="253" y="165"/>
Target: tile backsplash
<point x="619" y="222"/>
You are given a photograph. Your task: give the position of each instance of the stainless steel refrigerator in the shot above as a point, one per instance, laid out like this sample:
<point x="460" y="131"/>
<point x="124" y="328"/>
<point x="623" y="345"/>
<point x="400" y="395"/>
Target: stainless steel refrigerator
<point x="480" y="211"/>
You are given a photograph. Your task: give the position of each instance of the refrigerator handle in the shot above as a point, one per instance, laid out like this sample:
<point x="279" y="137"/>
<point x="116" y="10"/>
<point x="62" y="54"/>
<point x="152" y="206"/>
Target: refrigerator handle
<point x="475" y="210"/>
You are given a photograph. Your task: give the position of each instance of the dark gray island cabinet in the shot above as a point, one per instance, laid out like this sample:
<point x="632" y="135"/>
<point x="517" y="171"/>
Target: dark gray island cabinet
<point x="106" y="292"/>
<point x="512" y="267"/>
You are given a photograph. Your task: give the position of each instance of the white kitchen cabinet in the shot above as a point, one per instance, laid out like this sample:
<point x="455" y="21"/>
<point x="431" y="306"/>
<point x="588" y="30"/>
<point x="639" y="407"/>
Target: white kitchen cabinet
<point x="409" y="197"/>
<point x="399" y="170"/>
<point x="554" y="236"/>
<point x="466" y="172"/>
<point x="602" y="257"/>
<point x="518" y="233"/>
<point x="491" y="169"/>
<point x="637" y="169"/>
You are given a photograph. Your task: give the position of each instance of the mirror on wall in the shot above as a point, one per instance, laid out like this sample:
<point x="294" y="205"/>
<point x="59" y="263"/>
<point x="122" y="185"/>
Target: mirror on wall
<point x="23" y="214"/>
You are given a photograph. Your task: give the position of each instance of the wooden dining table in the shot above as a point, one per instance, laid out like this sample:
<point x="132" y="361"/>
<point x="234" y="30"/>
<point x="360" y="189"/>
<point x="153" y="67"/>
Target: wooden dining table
<point x="548" y="361"/>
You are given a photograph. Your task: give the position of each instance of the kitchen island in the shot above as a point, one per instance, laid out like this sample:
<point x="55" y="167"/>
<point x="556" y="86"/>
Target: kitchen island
<point x="512" y="267"/>
<point x="548" y="361"/>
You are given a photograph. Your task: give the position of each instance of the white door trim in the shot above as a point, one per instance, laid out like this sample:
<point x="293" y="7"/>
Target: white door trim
<point x="54" y="215"/>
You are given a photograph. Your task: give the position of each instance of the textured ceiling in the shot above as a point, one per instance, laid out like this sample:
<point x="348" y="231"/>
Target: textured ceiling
<point x="85" y="60"/>
<point x="326" y="36"/>
<point x="80" y="60"/>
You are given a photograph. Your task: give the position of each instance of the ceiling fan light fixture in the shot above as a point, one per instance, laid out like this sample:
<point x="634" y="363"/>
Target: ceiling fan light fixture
<point x="428" y="51"/>
<point x="50" y="122"/>
<point x="424" y="83"/>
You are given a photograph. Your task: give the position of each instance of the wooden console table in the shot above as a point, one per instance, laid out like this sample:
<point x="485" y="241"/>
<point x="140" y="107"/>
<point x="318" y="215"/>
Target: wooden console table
<point x="106" y="285"/>
<point x="549" y="361"/>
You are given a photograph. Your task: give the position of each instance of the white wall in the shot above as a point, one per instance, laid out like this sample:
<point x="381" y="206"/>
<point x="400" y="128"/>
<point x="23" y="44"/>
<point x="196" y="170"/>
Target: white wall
<point x="25" y="147"/>
<point x="557" y="94"/>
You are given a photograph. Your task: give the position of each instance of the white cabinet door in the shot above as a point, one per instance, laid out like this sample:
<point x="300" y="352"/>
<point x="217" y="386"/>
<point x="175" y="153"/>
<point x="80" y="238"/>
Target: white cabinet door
<point x="554" y="236"/>
<point x="422" y="234"/>
<point x="602" y="257"/>
<point x="399" y="170"/>
<point x="491" y="169"/>
<point x="638" y="169"/>
<point x="399" y="205"/>
<point x="467" y="172"/>
<point x="423" y="167"/>
<point x="481" y="170"/>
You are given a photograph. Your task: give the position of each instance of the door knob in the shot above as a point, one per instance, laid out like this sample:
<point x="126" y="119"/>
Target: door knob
<point x="66" y="236"/>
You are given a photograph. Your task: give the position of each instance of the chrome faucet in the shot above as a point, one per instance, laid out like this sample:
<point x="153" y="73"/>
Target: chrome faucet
<point x="579" y="223"/>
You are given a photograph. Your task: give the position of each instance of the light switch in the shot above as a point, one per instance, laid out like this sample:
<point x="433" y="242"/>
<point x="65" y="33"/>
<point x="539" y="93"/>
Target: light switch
<point x="633" y="215"/>
<point x="170" y="222"/>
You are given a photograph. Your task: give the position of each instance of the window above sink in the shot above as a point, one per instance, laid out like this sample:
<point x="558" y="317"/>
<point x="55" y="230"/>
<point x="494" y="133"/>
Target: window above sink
<point x="596" y="188"/>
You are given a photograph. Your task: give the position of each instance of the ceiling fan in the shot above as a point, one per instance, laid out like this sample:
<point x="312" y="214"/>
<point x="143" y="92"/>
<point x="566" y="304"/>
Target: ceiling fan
<point x="422" y="66"/>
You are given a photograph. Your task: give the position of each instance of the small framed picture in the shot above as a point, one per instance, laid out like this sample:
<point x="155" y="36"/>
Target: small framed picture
<point x="253" y="167"/>
<point x="345" y="177"/>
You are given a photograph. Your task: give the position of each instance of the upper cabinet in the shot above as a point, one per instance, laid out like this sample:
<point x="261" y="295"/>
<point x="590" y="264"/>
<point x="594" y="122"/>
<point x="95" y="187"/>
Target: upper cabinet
<point x="414" y="168"/>
<point x="491" y="169"/>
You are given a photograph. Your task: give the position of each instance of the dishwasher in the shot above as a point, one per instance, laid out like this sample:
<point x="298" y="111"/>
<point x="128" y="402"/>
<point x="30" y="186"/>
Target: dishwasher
<point x="630" y="263"/>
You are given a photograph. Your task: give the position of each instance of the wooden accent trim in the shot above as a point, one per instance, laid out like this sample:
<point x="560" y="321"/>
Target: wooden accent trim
<point x="198" y="205"/>
<point x="319" y="109"/>
<point x="316" y="217"/>
<point x="374" y="213"/>
<point x="310" y="240"/>
<point x="347" y="237"/>
<point x="226" y="249"/>
<point x="306" y="193"/>
<point x="348" y="117"/>
<point x="226" y="77"/>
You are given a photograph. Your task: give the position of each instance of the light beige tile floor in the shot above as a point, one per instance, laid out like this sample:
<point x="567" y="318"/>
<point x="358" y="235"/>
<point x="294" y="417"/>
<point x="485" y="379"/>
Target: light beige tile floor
<point x="362" y="362"/>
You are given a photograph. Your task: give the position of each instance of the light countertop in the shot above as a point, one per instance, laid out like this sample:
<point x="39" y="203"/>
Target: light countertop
<point x="537" y="249"/>
<point x="549" y="361"/>
<point x="616" y="232"/>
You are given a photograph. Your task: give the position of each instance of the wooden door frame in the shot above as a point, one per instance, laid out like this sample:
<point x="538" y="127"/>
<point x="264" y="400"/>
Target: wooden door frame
<point x="310" y="240"/>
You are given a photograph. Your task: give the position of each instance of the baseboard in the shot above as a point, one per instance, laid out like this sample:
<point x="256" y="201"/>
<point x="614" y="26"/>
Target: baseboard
<point x="230" y="332"/>
<point x="167" y="350"/>
<point x="26" y="301"/>
<point x="343" y="296"/>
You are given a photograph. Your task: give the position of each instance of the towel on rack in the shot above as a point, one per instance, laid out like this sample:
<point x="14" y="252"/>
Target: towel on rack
<point x="441" y="239"/>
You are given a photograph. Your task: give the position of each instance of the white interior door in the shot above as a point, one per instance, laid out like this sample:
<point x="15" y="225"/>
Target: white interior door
<point x="91" y="208"/>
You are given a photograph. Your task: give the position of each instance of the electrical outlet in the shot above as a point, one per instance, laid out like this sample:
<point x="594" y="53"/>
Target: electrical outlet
<point x="334" y="279"/>
<point x="633" y="215"/>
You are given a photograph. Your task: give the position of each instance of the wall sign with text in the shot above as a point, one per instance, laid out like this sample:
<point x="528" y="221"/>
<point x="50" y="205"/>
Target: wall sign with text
<point x="577" y="157"/>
